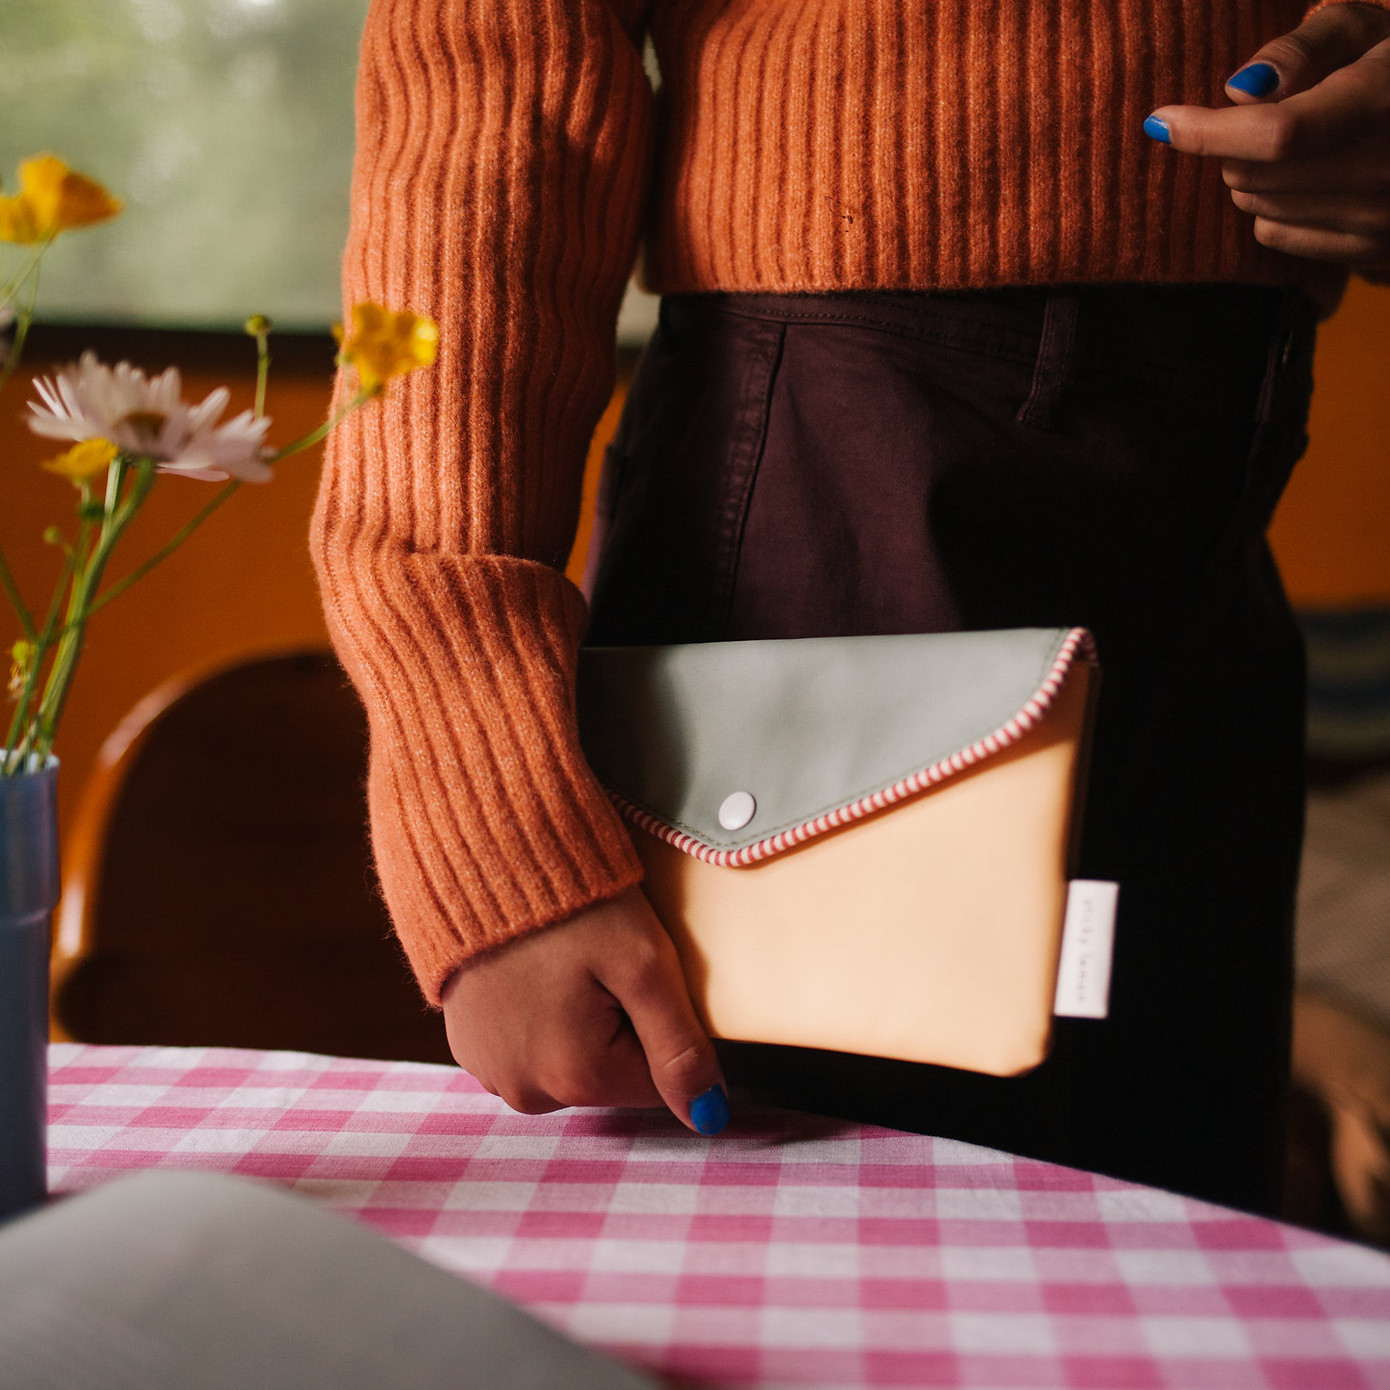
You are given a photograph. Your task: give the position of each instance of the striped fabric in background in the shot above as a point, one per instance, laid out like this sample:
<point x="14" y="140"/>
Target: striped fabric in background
<point x="1348" y="683"/>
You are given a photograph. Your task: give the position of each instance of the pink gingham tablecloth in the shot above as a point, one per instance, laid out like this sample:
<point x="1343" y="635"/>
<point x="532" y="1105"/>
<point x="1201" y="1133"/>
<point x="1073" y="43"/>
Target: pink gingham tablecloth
<point x="788" y="1251"/>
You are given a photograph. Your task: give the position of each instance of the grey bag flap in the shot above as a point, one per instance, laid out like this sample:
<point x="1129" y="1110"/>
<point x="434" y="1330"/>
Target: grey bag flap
<point x="806" y="728"/>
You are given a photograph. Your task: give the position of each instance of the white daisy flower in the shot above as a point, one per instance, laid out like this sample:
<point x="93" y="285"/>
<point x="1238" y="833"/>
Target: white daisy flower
<point x="147" y="418"/>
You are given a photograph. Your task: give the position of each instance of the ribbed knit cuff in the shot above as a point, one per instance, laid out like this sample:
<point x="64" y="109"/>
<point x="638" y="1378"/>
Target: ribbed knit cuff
<point x="486" y="821"/>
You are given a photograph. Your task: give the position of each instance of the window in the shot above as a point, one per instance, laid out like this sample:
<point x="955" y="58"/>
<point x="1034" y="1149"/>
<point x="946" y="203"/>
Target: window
<point x="225" y="125"/>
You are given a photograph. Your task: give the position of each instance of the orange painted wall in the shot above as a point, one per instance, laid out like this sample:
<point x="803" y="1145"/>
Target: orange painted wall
<point x="1332" y="531"/>
<point x="244" y="583"/>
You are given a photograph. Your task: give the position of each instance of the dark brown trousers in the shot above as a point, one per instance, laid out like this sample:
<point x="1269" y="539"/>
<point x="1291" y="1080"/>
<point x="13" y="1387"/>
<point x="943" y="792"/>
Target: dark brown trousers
<point x="793" y="466"/>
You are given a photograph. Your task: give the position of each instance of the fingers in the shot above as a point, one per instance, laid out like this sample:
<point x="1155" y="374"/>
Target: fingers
<point x="1319" y="211"/>
<point x="565" y="1071"/>
<point x="1335" y="207"/>
<point x="1300" y="59"/>
<point x="593" y="1012"/>
<point x="1306" y="148"/>
<point x="1361" y="168"/>
<point x="1352" y="104"/>
<point x="1348" y="229"/>
<point x="1323" y="244"/>
<point x="682" y="1062"/>
<point x="577" y="1048"/>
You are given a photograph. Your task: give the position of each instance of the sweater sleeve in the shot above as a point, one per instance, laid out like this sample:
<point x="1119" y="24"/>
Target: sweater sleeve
<point x="502" y="152"/>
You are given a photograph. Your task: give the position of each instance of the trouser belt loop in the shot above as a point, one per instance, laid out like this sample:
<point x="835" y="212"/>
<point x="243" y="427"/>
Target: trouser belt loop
<point x="1054" y="356"/>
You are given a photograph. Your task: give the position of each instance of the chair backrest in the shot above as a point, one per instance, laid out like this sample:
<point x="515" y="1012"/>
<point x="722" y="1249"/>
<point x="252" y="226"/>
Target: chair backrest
<point x="218" y="887"/>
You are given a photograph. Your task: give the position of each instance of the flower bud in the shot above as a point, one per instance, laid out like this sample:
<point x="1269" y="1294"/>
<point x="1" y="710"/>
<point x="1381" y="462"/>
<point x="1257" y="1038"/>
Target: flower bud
<point x="22" y="656"/>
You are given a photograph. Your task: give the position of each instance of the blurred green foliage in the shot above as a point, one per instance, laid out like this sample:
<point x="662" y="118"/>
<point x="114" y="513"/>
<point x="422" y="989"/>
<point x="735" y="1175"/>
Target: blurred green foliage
<point x="225" y="125"/>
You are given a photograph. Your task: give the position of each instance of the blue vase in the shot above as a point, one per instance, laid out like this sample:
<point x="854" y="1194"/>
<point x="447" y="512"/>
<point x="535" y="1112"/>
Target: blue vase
<point x="28" y="895"/>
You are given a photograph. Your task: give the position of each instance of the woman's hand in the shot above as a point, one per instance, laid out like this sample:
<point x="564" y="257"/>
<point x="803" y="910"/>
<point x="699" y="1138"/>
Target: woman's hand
<point x="593" y="1011"/>
<point x="1306" y="150"/>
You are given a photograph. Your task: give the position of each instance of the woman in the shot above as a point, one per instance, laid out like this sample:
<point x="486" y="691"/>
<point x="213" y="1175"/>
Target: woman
<point x="945" y="326"/>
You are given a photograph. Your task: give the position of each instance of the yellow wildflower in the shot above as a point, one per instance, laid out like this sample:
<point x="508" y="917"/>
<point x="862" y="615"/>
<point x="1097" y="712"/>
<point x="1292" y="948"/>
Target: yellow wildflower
<point x="83" y="461"/>
<point x="384" y="344"/>
<point x="52" y="198"/>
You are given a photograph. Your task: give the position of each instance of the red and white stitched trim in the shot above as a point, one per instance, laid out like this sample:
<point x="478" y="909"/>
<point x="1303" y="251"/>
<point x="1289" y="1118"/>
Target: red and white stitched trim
<point x="1077" y="642"/>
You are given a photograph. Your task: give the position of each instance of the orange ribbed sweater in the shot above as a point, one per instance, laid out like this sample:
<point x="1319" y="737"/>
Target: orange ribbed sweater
<point x="509" y="155"/>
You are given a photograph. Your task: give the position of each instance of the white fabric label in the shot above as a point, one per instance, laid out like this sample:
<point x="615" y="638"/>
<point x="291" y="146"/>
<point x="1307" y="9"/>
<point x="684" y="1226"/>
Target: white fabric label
<point x="1088" y="940"/>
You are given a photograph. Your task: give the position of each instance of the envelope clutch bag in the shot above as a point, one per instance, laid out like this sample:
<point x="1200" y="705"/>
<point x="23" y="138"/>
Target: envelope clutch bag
<point x="859" y="844"/>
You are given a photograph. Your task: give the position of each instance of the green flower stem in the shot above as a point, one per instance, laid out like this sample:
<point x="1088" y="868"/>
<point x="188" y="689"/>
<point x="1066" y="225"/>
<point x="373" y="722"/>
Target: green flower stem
<point x="43" y="643"/>
<point x="84" y="586"/>
<point x="115" y="481"/>
<point x="315" y="436"/>
<point x="84" y="519"/>
<point x="176" y="540"/>
<point x="26" y="619"/>
<point x="262" y="372"/>
<point x="21" y="331"/>
<point x="26" y="269"/>
<point x="75" y="560"/>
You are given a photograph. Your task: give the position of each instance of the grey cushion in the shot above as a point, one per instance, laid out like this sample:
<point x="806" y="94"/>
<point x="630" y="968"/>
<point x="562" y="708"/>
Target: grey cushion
<point x="196" y="1281"/>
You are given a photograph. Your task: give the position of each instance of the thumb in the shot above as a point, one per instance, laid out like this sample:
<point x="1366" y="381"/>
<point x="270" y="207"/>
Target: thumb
<point x="1329" y="39"/>
<point x="685" y="1070"/>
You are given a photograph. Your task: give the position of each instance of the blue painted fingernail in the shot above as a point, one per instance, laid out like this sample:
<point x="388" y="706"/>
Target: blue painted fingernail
<point x="709" y="1113"/>
<point x="1157" y="130"/>
<point x="1259" y="79"/>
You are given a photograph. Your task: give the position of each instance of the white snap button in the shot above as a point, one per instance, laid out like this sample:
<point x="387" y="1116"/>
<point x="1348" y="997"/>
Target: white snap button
<point x="736" y="810"/>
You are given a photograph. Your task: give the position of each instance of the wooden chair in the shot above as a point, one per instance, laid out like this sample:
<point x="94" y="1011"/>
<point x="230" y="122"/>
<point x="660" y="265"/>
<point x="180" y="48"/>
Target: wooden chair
<point x="219" y="889"/>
